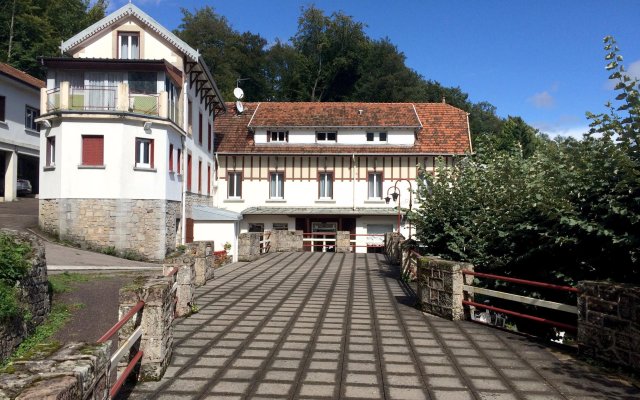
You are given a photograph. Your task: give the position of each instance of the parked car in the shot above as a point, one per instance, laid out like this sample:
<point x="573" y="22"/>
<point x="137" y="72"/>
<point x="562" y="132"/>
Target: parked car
<point x="23" y="186"/>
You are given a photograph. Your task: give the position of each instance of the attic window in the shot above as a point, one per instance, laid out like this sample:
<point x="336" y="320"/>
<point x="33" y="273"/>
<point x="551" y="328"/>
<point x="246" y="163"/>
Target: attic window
<point x="277" y="136"/>
<point x="128" y="46"/>
<point x="326" y="136"/>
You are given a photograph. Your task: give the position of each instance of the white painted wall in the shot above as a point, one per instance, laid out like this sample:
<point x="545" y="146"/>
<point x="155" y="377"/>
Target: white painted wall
<point x="14" y="136"/>
<point x="118" y="179"/>
<point x="220" y="232"/>
<point x="345" y="136"/>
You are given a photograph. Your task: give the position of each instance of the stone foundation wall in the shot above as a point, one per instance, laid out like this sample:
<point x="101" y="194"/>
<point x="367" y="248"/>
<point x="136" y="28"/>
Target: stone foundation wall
<point x="33" y="295"/>
<point x="285" y="240"/>
<point x="195" y="199"/>
<point x="609" y="323"/>
<point x="440" y="287"/>
<point x="144" y="228"/>
<point x="77" y="371"/>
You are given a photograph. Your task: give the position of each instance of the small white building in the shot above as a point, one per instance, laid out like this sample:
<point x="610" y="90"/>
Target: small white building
<point x="127" y="137"/>
<point x="19" y="133"/>
<point x="327" y="167"/>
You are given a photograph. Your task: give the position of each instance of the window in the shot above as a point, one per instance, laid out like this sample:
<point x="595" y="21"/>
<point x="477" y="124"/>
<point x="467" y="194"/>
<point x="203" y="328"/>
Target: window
<point x="144" y="153"/>
<point x="376" y="136"/>
<point x="200" y="129"/>
<point x="143" y="82"/>
<point x="30" y="115"/>
<point x="325" y="186"/>
<point x="199" y="176"/>
<point x="129" y="46"/>
<point x="256" y="227"/>
<point x="209" y="138"/>
<point x="2" y="108"/>
<point x="178" y="161"/>
<point x="51" y="151"/>
<point x="277" y="136"/>
<point x="170" y="158"/>
<point x="375" y="185"/>
<point x="235" y="185"/>
<point x="326" y="136"/>
<point x="92" y="150"/>
<point x="209" y="179"/>
<point x="276" y="185"/>
<point x="280" y="226"/>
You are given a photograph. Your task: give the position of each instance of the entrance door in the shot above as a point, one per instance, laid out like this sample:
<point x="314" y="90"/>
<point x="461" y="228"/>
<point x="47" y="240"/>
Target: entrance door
<point x="321" y="242"/>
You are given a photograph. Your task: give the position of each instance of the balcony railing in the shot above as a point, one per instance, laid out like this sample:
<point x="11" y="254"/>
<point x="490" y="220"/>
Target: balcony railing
<point x="116" y="98"/>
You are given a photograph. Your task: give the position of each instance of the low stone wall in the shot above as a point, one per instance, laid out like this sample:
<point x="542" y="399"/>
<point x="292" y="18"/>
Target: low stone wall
<point x="33" y="295"/>
<point x="77" y="371"/>
<point x="202" y="254"/>
<point x="343" y="242"/>
<point x="142" y="228"/>
<point x="285" y="240"/>
<point x="440" y="287"/>
<point x="249" y="246"/>
<point x="609" y="323"/>
<point x="409" y="264"/>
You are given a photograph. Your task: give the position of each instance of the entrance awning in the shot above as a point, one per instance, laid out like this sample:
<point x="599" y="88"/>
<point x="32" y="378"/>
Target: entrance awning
<point x="204" y="213"/>
<point x="297" y="211"/>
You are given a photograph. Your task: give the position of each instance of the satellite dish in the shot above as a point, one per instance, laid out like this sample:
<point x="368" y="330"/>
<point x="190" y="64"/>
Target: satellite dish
<point x="239" y="106"/>
<point x="238" y="93"/>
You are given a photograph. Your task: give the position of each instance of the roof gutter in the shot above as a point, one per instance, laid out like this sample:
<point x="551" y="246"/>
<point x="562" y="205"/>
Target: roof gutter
<point x="469" y="132"/>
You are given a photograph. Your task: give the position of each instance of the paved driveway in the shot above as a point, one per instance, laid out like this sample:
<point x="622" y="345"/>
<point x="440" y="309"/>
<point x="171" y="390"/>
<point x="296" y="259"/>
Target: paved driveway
<point x="340" y="326"/>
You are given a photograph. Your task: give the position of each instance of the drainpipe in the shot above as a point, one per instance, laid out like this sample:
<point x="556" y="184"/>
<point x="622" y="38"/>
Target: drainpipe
<point x="215" y="180"/>
<point x="353" y="180"/>
<point x="184" y="193"/>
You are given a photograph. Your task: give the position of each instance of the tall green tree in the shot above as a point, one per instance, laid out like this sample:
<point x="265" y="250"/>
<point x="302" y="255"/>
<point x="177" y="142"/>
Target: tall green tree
<point x="33" y="28"/>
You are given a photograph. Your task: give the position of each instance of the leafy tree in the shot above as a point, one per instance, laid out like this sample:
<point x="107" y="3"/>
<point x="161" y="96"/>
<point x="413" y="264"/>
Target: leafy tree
<point x="34" y="28"/>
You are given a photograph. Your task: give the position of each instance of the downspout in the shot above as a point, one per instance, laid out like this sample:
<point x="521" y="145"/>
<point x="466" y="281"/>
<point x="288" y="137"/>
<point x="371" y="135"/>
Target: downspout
<point x="215" y="179"/>
<point x="353" y="180"/>
<point x="469" y="131"/>
<point x="185" y="108"/>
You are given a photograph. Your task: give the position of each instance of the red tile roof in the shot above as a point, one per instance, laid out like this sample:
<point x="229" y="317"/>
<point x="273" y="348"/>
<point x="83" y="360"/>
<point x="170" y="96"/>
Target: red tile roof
<point x="444" y="130"/>
<point x="8" y="70"/>
<point x="329" y="115"/>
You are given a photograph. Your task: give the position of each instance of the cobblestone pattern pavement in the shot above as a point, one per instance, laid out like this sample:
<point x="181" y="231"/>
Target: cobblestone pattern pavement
<point x="341" y="326"/>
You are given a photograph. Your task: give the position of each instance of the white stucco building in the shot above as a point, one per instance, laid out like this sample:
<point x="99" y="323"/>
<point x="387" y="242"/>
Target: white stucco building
<point x="19" y="133"/>
<point x="322" y="167"/>
<point x="126" y="136"/>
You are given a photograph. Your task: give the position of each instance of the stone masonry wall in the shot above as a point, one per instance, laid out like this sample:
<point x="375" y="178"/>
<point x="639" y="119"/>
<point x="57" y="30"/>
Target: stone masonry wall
<point x="145" y="228"/>
<point x="609" y="322"/>
<point x="194" y="199"/>
<point x="33" y="292"/>
<point x="77" y="371"/>
<point x="440" y="286"/>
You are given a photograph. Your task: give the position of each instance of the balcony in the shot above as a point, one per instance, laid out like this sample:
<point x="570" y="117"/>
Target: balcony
<point x="116" y="98"/>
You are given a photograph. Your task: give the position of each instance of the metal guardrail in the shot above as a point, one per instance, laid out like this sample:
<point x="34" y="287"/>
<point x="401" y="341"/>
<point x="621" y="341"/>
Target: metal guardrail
<point x="122" y="350"/>
<point x="265" y="243"/>
<point x="143" y="103"/>
<point x="522" y="299"/>
<point x="92" y="97"/>
<point x="319" y="241"/>
<point x="53" y="99"/>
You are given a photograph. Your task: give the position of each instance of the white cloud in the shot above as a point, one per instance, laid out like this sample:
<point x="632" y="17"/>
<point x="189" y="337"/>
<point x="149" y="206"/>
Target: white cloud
<point x="553" y="130"/>
<point x="633" y="70"/>
<point x="542" y="100"/>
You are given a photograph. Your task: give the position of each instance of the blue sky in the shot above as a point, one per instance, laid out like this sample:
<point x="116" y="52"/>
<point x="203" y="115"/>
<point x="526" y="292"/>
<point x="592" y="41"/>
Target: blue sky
<point x="542" y="60"/>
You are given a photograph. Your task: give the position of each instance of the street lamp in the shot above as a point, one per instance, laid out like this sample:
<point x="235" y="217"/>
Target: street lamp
<point x="396" y="196"/>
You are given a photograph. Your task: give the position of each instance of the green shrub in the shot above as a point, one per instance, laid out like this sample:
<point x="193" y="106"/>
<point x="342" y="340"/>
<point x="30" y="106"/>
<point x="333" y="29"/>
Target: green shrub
<point x="13" y="258"/>
<point x="9" y="306"/>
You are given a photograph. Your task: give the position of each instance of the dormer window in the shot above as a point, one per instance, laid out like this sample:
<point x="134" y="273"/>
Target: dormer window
<point x="277" y="136"/>
<point x="376" y="136"/>
<point x="129" y="46"/>
<point x="326" y="136"/>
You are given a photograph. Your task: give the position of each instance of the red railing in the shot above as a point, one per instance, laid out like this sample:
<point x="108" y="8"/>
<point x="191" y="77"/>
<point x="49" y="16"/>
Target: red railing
<point x="265" y="243"/>
<point x="126" y="346"/>
<point x="521" y="299"/>
<point x="319" y="241"/>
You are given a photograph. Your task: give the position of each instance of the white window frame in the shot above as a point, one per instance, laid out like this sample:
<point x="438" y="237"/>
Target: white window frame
<point x="141" y="144"/>
<point x="128" y="35"/>
<point x="30" y="116"/>
<point x="51" y="151"/>
<point x="323" y="137"/>
<point x="236" y="176"/>
<point x="278" y="136"/>
<point x="375" y="184"/>
<point x="278" y="179"/>
<point x="327" y="178"/>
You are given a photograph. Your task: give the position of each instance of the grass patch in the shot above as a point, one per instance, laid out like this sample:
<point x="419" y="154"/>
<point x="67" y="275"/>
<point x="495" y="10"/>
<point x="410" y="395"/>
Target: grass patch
<point x="62" y="283"/>
<point x="40" y="343"/>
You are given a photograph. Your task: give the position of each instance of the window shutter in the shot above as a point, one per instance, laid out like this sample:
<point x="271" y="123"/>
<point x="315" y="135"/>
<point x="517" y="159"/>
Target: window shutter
<point x="2" y="108"/>
<point x="92" y="150"/>
<point x="268" y="136"/>
<point x="208" y="179"/>
<point x="200" y="129"/>
<point x="209" y="136"/>
<point x="151" y="153"/>
<point x="170" y="158"/>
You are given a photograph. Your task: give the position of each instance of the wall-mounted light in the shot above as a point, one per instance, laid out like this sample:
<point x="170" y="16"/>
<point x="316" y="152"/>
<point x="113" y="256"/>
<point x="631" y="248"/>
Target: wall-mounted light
<point x="147" y="126"/>
<point x="46" y="123"/>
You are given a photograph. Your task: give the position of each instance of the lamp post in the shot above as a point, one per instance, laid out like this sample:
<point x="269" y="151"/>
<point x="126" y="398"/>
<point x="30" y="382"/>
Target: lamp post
<point x="396" y="196"/>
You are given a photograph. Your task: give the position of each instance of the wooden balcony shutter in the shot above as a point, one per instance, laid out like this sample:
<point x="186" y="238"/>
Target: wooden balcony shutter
<point x="208" y="179"/>
<point x="209" y="137"/>
<point x="189" y="231"/>
<point x="2" y="108"/>
<point x="92" y="150"/>
<point x="170" y="158"/>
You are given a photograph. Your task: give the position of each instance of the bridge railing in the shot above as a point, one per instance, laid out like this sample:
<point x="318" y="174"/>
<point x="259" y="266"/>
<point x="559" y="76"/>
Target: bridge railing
<point x="527" y="300"/>
<point x="124" y="349"/>
<point x="319" y="241"/>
